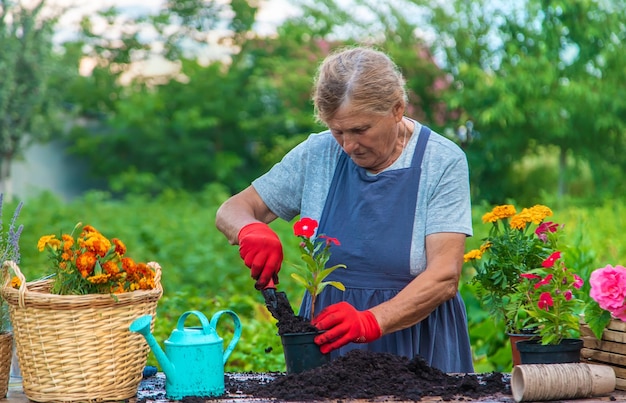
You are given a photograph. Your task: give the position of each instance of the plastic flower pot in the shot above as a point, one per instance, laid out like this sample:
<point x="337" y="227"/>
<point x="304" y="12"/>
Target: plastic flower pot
<point x="533" y="352"/>
<point x="301" y="353"/>
<point x="513" y="339"/>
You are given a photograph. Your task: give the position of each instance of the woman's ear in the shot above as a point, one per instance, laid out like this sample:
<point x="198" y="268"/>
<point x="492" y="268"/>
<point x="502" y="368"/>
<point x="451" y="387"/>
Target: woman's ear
<point x="398" y="111"/>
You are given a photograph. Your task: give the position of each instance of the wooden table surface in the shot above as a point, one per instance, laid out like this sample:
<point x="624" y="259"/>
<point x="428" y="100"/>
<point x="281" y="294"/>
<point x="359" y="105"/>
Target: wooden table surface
<point x="149" y="395"/>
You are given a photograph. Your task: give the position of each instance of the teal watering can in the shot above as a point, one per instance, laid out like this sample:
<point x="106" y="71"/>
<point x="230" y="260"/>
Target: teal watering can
<point x="193" y="361"/>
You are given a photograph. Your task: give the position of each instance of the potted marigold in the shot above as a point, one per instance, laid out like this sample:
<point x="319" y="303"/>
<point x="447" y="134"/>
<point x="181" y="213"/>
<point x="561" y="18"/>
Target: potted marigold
<point x="517" y="242"/>
<point x="72" y="327"/>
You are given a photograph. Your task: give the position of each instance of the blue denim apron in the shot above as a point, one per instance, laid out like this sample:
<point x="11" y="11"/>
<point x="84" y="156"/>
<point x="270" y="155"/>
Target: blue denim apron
<point x="372" y="216"/>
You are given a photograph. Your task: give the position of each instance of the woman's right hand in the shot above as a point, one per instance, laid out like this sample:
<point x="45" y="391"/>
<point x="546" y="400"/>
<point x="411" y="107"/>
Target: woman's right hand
<point x="261" y="251"/>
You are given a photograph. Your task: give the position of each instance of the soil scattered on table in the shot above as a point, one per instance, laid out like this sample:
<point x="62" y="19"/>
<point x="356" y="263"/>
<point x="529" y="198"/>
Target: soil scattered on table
<point x="361" y="374"/>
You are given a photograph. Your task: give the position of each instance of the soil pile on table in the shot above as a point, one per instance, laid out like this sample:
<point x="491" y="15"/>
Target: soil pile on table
<point x="366" y="375"/>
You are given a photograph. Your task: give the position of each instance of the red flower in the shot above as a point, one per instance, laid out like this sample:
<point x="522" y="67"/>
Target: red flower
<point x="530" y="276"/>
<point x="549" y="262"/>
<point x="545" y="281"/>
<point x="305" y="227"/>
<point x="568" y="295"/>
<point x="330" y="240"/>
<point x="545" y="301"/>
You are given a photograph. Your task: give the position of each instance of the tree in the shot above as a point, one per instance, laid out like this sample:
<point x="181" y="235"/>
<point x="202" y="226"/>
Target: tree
<point x="27" y="108"/>
<point x="538" y="78"/>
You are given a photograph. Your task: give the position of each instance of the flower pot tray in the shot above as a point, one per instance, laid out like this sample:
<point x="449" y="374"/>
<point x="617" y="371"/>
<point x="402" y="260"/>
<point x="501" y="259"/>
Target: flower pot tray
<point x="611" y="350"/>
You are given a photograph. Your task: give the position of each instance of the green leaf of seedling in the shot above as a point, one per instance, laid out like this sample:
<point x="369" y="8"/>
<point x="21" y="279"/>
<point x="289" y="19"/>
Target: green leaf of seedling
<point x="326" y="272"/>
<point x="335" y="284"/>
<point x="302" y="281"/>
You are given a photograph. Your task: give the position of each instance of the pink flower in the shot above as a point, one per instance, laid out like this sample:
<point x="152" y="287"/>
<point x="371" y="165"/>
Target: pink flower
<point x="608" y="288"/>
<point x="530" y="276"/>
<point x="549" y="262"/>
<point x="545" y="301"/>
<point x="568" y="295"/>
<point x="544" y="228"/>
<point x="578" y="281"/>
<point x="620" y="313"/>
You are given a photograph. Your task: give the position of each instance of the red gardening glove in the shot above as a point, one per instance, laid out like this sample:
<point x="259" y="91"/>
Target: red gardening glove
<point x="345" y="324"/>
<point x="261" y="251"/>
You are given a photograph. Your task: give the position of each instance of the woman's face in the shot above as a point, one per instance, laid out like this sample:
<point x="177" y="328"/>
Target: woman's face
<point x="373" y="142"/>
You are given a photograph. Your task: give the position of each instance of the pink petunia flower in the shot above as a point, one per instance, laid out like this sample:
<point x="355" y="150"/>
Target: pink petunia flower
<point x="608" y="288"/>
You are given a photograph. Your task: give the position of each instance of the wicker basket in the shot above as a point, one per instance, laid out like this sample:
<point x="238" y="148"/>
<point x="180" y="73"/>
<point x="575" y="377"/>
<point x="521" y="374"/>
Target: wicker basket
<point x="78" y="348"/>
<point x="6" y="353"/>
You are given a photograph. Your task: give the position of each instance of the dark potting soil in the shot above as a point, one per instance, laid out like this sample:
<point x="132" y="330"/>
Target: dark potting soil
<point x="287" y="321"/>
<point x="362" y="374"/>
<point x="359" y="374"/>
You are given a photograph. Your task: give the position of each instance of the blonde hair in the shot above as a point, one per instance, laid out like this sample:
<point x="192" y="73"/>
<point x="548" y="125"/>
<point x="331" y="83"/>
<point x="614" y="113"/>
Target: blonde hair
<point x="364" y="78"/>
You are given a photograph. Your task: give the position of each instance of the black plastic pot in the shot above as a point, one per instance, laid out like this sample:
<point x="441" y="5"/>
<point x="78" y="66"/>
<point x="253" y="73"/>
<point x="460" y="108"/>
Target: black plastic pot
<point x="301" y="353"/>
<point x="533" y="352"/>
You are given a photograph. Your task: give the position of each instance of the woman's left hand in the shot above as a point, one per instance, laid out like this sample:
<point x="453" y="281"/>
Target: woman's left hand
<point x="345" y="324"/>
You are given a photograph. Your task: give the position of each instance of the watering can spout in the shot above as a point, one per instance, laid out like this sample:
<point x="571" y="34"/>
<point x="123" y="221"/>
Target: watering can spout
<point x="141" y="325"/>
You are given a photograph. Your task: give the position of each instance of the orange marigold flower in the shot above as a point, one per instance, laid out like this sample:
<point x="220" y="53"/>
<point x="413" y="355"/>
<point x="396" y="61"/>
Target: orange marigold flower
<point x="146" y="283"/>
<point x="504" y="211"/>
<point x="48" y="240"/>
<point x="67" y="255"/>
<point x="117" y="288"/>
<point x="472" y="255"/>
<point x="489" y="217"/>
<point x="129" y="265"/>
<point x="16" y="282"/>
<point x="111" y="268"/>
<point x="98" y="278"/>
<point x="98" y="244"/>
<point x="519" y="221"/>
<point x="68" y="242"/>
<point x="120" y="248"/>
<point x="539" y="212"/>
<point x="85" y="262"/>
<point x="87" y="229"/>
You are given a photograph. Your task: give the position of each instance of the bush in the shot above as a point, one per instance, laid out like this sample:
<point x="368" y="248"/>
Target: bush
<point x="202" y="271"/>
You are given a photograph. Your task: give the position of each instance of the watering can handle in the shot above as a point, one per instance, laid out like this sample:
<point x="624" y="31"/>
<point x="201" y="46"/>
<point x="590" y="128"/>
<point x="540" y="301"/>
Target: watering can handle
<point x="203" y="320"/>
<point x="237" y="330"/>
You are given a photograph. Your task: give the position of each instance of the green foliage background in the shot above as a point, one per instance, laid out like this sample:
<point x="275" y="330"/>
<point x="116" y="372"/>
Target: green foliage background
<point x="201" y="271"/>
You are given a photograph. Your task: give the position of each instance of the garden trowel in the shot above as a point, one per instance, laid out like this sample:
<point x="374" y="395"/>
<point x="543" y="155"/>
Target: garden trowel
<point x="276" y="301"/>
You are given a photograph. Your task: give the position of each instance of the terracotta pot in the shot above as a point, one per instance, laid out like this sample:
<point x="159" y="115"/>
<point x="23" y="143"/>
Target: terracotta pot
<point x="301" y="353"/>
<point x="533" y="352"/>
<point x="513" y="339"/>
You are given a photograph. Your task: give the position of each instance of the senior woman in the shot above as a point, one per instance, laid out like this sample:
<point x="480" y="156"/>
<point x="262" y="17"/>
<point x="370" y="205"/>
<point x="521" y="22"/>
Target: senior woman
<point x="397" y="196"/>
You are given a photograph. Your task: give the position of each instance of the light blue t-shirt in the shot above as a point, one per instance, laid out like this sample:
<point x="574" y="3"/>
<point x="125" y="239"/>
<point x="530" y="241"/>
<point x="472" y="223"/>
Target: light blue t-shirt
<point x="299" y="184"/>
